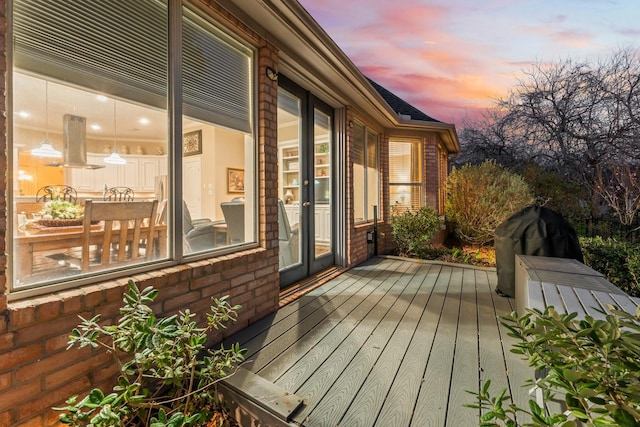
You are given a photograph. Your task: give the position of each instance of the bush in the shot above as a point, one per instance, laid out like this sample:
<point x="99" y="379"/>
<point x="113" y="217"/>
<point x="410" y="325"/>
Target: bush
<point x="165" y="379"/>
<point x="414" y="231"/>
<point x="593" y="363"/>
<point x="568" y="198"/>
<point x="479" y="198"/>
<point x="619" y="261"/>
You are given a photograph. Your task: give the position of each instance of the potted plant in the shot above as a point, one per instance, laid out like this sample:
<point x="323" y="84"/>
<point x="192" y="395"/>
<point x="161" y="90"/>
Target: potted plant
<point x="167" y="378"/>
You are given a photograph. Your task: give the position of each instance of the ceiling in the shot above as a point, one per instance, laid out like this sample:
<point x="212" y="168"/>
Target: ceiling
<point x="132" y="121"/>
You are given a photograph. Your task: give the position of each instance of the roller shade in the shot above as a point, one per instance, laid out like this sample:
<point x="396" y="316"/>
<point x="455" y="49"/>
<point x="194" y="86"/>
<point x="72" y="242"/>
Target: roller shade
<point x="120" y="47"/>
<point x="117" y="47"/>
<point x="216" y="76"/>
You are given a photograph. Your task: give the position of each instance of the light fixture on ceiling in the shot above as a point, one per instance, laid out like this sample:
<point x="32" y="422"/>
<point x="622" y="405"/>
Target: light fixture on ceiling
<point x="46" y="149"/>
<point x="114" y="158"/>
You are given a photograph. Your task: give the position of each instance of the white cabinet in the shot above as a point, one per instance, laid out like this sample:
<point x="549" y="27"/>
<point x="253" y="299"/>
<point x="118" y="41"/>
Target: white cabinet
<point x="323" y="223"/>
<point x="139" y="173"/>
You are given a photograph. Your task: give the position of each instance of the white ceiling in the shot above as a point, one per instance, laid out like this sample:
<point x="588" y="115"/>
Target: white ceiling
<point x="30" y="98"/>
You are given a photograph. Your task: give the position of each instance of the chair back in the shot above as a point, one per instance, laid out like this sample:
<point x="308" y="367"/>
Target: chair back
<point x="57" y="192"/>
<point x="234" y="217"/>
<point x="118" y="194"/>
<point x="128" y="232"/>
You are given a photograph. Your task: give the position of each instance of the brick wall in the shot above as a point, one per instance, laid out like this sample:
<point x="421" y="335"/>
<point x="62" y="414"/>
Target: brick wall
<point x="36" y="370"/>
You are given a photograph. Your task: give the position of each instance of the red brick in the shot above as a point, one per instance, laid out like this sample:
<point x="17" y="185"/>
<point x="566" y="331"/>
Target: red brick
<point x="52" y="397"/>
<point x="15" y="395"/>
<point x="50" y="363"/>
<point x="20" y="356"/>
<point x="71" y="301"/>
<point x="36" y="421"/>
<point x="6" y="419"/>
<point x="20" y="314"/>
<point x="49" y="308"/>
<point x="82" y="367"/>
<point x="5" y="381"/>
<point x="181" y="302"/>
<point x="49" y="329"/>
<point x="56" y="344"/>
<point x="7" y="341"/>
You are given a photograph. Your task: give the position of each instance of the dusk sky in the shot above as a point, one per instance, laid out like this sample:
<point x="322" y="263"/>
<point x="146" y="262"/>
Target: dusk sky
<point x="450" y="58"/>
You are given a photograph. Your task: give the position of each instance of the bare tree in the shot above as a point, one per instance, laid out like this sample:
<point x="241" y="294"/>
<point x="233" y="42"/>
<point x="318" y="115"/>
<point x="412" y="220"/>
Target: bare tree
<point x="619" y="187"/>
<point x="568" y="117"/>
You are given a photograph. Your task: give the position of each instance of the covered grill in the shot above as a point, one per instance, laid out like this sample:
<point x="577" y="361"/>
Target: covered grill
<point x="534" y="230"/>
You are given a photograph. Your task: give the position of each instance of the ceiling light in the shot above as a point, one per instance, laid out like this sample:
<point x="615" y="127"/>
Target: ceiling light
<point x="101" y="98"/>
<point x="114" y="158"/>
<point x="46" y="149"/>
<point x="144" y="121"/>
<point x="24" y="114"/>
<point x="96" y="127"/>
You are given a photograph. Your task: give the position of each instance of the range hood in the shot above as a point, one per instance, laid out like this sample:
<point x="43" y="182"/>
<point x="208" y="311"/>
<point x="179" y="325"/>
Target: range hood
<point x="74" y="133"/>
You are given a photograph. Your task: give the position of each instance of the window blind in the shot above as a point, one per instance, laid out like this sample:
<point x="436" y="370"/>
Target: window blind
<point x="117" y="47"/>
<point x="120" y="47"/>
<point x="216" y="76"/>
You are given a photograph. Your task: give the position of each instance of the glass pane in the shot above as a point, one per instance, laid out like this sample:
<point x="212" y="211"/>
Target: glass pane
<point x="289" y="177"/>
<point x="359" y="184"/>
<point x="322" y="182"/>
<point x="108" y="149"/>
<point x="405" y="175"/>
<point x="219" y="206"/>
<point x="373" y="192"/>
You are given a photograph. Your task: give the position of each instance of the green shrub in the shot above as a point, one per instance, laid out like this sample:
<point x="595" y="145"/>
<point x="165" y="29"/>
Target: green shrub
<point x="591" y="364"/>
<point x="167" y="378"/>
<point x="619" y="261"/>
<point x="414" y="231"/>
<point x="479" y="198"/>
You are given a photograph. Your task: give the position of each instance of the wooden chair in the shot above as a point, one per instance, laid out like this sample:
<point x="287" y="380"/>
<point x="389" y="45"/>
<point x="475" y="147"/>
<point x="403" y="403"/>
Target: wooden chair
<point x="117" y="245"/>
<point x="57" y="192"/>
<point x="118" y="194"/>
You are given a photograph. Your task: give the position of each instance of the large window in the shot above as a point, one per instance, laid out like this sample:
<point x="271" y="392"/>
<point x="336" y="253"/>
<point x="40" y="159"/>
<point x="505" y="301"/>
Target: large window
<point x="405" y="174"/>
<point x="365" y="173"/>
<point x="90" y="121"/>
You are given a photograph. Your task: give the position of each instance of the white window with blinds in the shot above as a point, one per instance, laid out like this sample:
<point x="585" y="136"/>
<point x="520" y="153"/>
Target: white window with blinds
<point x="405" y="175"/>
<point x="366" y="172"/>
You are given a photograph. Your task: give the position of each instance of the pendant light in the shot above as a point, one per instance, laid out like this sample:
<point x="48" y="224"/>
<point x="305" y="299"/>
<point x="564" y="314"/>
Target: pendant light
<point x="114" y="158"/>
<point x="46" y="149"/>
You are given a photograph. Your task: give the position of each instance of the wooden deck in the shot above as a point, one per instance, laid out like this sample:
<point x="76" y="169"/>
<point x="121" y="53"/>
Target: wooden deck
<point x="392" y="342"/>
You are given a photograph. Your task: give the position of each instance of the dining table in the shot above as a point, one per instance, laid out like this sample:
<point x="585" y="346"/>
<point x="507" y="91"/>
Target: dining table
<point x="31" y="241"/>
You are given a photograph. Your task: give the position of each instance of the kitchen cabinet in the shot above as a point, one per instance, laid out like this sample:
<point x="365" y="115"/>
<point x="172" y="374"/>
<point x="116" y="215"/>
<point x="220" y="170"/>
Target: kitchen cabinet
<point x="139" y="173"/>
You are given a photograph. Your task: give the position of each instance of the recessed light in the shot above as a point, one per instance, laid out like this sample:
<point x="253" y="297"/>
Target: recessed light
<point x="101" y="98"/>
<point x="96" y="127"/>
<point x="24" y="114"/>
<point x="144" y="121"/>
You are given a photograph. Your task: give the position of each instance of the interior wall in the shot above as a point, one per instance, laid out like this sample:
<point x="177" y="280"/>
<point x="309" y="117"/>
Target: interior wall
<point x="221" y="149"/>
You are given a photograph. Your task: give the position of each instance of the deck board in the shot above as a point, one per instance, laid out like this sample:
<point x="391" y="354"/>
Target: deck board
<point x="392" y="342"/>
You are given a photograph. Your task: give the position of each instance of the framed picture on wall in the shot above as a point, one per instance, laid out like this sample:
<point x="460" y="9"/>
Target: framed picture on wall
<point x="192" y="143"/>
<point x="235" y="180"/>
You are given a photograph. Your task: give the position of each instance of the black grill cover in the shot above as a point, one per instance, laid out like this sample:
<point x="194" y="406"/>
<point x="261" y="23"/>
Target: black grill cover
<point x="535" y="230"/>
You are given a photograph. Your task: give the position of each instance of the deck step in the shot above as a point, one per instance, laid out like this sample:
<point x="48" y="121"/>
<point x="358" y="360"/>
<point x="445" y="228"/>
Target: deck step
<point x="271" y="397"/>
